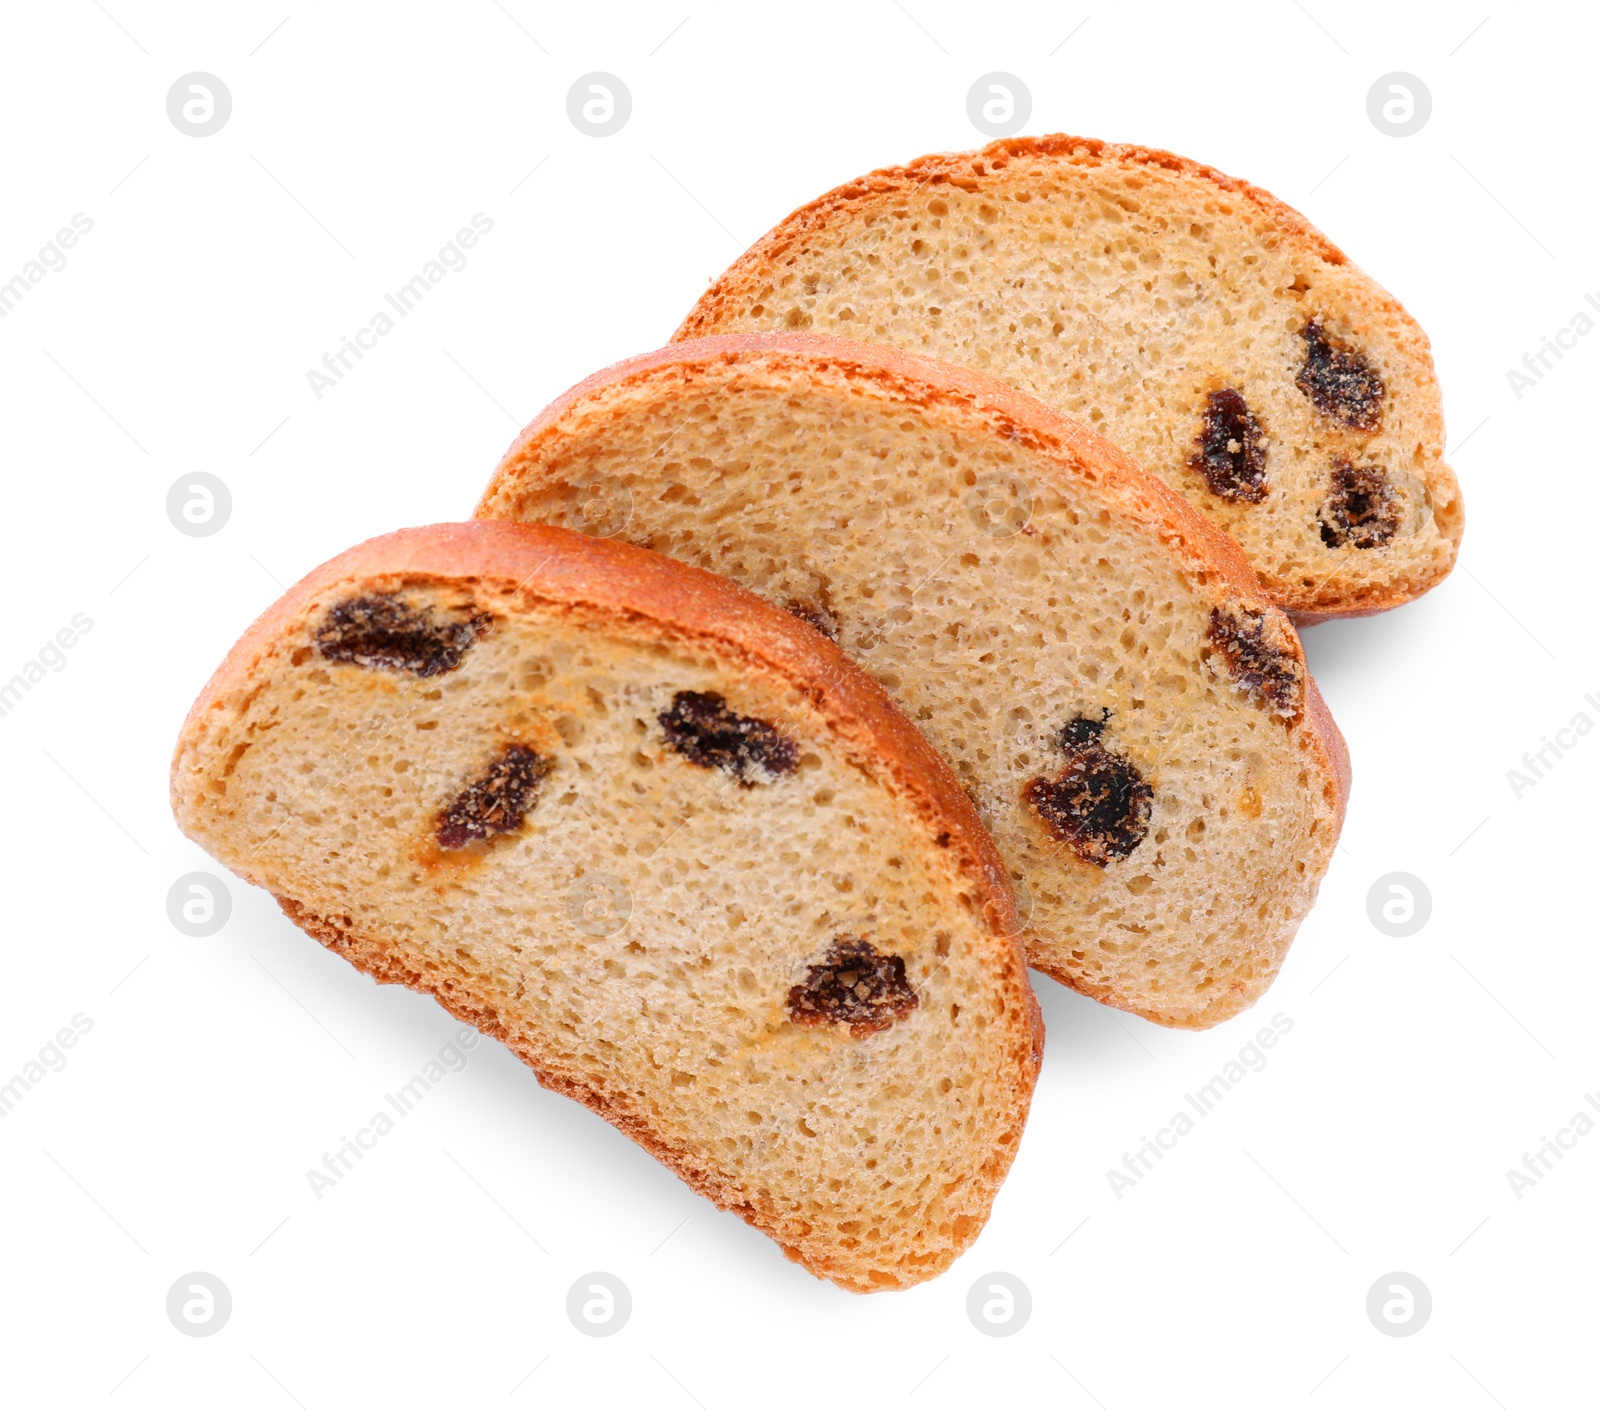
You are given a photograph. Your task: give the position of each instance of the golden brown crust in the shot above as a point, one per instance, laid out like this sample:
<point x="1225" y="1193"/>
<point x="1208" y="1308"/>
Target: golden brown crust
<point x="604" y="580"/>
<point x="978" y="399"/>
<point x="1338" y="750"/>
<point x="970" y="170"/>
<point x="967" y="170"/>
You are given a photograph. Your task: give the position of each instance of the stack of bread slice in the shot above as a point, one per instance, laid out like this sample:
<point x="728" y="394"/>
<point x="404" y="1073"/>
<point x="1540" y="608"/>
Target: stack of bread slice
<point x="923" y="610"/>
<point x="1132" y="717"/>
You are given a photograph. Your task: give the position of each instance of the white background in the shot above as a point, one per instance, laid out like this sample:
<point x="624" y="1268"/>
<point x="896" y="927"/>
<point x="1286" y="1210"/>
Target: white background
<point x="177" y="339"/>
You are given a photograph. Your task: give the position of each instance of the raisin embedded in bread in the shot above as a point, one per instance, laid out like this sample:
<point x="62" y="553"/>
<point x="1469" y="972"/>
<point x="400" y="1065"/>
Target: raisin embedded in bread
<point x="666" y="843"/>
<point x="1132" y="717"/>
<point x="1198" y="322"/>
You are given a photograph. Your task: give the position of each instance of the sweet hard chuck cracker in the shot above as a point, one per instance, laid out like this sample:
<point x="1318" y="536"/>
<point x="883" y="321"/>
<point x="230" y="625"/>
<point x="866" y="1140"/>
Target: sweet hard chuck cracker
<point x="667" y="844"/>
<point x="1131" y="716"/>
<point x="1195" y="320"/>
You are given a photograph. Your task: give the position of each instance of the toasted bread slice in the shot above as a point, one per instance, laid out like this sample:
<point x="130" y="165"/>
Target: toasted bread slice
<point x="667" y="844"/>
<point x="1198" y="322"/>
<point x="1132" y="717"/>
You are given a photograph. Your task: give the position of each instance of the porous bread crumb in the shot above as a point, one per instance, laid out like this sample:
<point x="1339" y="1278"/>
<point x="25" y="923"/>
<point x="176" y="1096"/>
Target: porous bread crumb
<point x="1124" y="287"/>
<point x="636" y="935"/>
<point x="1001" y="581"/>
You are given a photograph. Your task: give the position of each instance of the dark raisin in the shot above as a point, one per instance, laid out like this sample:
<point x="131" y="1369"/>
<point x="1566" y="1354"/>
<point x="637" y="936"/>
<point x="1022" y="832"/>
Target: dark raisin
<point x="1339" y="380"/>
<point x="856" y="985"/>
<point x="702" y="728"/>
<point x="1361" y="510"/>
<point x="1081" y="729"/>
<point x="385" y="631"/>
<point x="497" y="802"/>
<point x="1233" y="449"/>
<point x="815" y="614"/>
<point x="1099" y="804"/>
<point x="1258" y="648"/>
